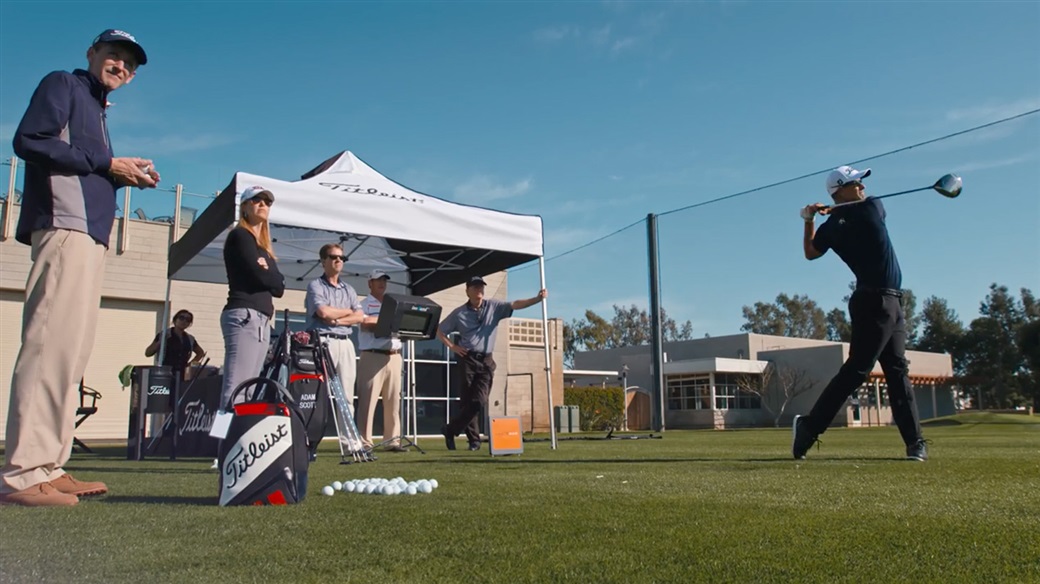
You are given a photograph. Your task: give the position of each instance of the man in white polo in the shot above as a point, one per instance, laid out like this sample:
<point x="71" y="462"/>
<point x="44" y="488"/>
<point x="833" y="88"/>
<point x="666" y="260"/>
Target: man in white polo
<point x="333" y="309"/>
<point x="379" y="371"/>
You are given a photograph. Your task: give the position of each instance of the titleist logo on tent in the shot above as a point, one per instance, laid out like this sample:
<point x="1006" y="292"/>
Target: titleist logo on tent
<point x="358" y="190"/>
<point x="249" y="458"/>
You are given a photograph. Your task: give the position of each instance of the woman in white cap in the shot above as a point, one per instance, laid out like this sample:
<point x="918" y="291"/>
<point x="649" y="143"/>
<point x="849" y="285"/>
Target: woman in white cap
<point x="253" y="283"/>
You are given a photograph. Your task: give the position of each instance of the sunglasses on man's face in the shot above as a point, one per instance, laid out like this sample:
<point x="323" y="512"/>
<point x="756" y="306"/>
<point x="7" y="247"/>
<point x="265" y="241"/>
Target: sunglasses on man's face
<point x="336" y="257"/>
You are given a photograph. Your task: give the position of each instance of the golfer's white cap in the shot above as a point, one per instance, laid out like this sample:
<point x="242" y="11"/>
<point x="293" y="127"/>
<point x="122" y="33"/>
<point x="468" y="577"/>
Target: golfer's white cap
<point x="843" y="175"/>
<point x="378" y="274"/>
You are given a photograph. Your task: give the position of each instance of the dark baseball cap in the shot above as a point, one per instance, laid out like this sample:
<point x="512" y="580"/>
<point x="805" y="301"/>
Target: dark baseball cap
<point x="113" y="35"/>
<point x="476" y="281"/>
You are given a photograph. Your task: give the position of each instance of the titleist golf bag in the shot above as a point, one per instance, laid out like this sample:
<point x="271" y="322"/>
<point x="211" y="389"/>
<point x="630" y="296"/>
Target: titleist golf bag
<point x="294" y="360"/>
<point x="264" y="456"/>
<point x="307" y="386"/>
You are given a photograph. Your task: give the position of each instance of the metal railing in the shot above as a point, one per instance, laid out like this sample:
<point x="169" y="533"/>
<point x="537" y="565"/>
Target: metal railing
<point x="179" y="210"/>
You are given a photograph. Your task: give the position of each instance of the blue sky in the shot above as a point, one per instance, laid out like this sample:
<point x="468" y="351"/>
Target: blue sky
<point x="594" y="114"/>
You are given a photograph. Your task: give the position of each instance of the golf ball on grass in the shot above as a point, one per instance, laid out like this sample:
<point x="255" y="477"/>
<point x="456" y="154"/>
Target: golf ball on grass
<point x="383" y="486"/>
<point x="327" y="490"/>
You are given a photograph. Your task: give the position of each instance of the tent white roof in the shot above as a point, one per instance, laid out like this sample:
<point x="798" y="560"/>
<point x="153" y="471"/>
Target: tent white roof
<point x="424" y="243"/>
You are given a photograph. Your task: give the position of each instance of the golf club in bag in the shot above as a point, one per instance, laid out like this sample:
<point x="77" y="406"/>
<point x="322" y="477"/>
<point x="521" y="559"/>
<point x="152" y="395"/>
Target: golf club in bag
<point x="949" y="186"/>
<point x="351" y="447"/>
<point x="295" y="359"/>
<point x="264" y="456"/>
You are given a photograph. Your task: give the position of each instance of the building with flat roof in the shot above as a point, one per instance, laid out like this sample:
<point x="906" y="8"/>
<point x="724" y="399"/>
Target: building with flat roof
<point x="749" y="380"/>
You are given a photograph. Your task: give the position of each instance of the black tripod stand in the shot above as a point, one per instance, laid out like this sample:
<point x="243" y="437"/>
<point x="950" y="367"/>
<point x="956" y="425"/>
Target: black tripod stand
<point x="401" y="440"/>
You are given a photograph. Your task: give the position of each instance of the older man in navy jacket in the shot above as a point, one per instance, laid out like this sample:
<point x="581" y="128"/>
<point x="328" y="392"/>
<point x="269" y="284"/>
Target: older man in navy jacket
<point x="68" y="207"/>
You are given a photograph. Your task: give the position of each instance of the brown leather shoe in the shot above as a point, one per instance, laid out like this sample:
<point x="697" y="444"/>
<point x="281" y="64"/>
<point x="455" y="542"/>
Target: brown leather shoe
<point x="70" y="486"/>
<point x="39" y="495"/>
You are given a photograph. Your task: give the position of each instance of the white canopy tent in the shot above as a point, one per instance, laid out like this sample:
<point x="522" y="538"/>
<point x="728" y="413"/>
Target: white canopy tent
<point x="424" y="243"/>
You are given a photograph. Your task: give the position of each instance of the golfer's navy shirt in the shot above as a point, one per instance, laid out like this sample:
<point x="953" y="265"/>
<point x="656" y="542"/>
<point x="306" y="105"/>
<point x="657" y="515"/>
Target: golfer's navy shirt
<point x="476" y="327"/>
<point x="857" y="233"/>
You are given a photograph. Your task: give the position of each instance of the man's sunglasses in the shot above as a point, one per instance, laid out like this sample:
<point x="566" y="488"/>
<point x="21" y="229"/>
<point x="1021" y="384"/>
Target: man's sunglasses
<point x="336" y="257"/>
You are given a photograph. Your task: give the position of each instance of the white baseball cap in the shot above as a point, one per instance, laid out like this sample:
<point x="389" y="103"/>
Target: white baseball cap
<point x="257" y="191"/>
<point x="378" y="274"/>
<point x="843" y="175"/>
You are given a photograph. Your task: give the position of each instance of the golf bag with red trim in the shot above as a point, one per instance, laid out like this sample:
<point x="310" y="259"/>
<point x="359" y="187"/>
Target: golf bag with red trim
<point x="308" y="387"/>
<point x="264" y="456"/>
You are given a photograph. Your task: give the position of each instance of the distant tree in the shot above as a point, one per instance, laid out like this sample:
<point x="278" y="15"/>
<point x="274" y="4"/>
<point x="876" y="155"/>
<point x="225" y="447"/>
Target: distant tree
<point x="789" y="316"/>
<point x="776" y="387"/>
<point x="1029" y="347"/>
<point x="630" y="326"/>
<point x="913" y="320"/>
<point x="994" y="367"/>
<point x="941" y="329"/>
<point x="839" y="328"/>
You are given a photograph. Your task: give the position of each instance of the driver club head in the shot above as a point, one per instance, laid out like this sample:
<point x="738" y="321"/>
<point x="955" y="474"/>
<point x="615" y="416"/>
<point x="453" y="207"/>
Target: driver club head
<point x="949" y="185"/>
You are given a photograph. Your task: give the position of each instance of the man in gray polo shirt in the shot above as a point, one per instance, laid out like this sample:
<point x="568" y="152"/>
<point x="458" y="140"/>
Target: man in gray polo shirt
<point x="332" y="310"/>
<point x="476" y="322"/>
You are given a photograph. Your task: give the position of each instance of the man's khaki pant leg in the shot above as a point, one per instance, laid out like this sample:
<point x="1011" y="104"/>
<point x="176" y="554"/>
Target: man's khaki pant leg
<point x="345" y="360"/>
<point x="390" y="381"/>
<point x="63" y="299"/>
<point x="368" y="393"/>
<point x="379" y="375"/>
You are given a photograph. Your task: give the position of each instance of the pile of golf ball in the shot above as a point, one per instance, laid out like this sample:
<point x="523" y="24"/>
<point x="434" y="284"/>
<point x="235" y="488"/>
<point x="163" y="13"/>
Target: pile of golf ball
<point x="379" y="486"/>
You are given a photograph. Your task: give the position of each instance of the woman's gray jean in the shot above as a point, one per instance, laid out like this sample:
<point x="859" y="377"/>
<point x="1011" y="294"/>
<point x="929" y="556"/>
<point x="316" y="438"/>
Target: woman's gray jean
<point x="247" y="337"/>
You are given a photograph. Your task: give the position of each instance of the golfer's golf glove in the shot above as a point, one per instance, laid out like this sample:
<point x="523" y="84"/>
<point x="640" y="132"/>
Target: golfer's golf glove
<point x="807" y="214"/>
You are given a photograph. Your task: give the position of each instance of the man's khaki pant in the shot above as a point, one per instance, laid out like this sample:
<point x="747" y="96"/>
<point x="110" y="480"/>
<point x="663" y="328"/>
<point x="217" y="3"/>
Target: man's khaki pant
<point x="345" y="360"/>
<point x="62" y="302"/>
<point x="379" y="374"/>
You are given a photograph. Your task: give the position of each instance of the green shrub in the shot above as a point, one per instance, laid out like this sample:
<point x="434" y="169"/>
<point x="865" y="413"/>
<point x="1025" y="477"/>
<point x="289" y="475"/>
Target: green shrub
<point x="601" y="408"/>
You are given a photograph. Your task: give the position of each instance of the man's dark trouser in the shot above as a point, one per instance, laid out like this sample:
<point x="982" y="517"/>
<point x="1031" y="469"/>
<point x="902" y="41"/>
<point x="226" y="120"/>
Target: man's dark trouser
<point x="478" y="371"/>
<point x="878" y="334"/>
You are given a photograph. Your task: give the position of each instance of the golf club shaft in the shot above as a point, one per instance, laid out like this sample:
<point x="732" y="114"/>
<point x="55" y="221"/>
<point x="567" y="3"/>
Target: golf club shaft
<point x="831" y="207"/>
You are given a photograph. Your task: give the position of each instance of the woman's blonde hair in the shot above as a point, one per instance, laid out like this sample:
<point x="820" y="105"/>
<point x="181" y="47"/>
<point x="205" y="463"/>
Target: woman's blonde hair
<point x="264" y="239"/>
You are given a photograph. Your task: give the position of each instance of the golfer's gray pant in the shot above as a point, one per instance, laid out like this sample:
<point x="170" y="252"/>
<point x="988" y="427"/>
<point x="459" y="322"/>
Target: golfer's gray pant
<point x="247" y="336"/>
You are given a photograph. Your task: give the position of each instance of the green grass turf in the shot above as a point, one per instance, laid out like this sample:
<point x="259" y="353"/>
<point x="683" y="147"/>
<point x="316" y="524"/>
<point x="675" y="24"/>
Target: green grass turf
<point x="696" y="506"/>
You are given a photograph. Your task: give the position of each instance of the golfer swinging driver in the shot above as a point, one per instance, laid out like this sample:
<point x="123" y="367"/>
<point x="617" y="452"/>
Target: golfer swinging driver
<point x="857" y="233"/>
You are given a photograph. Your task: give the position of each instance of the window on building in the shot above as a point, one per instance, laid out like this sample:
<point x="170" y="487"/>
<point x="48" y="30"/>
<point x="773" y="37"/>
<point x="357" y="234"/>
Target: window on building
<point x="729" y="396"/>
<point x="868" y="397"/>
<point x="689" y="392"/>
